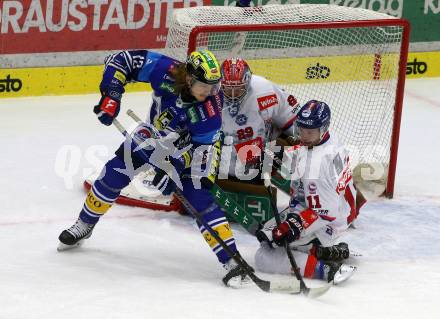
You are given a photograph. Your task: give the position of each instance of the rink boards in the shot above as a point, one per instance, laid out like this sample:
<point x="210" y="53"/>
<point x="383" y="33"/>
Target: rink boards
<point x="300" y="70"/>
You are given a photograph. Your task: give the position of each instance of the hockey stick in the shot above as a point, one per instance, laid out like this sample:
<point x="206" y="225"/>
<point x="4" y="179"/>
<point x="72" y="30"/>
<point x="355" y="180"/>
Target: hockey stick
<point x="312" y="292"/>
<point x="267" y="286"/>
<point x="134" y="116"/>
<point x="262" y="284"/>
<point x="231" y="208"/>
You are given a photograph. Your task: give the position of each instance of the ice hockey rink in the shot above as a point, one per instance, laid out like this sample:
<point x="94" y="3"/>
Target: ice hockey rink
<point x="146" y="264"/>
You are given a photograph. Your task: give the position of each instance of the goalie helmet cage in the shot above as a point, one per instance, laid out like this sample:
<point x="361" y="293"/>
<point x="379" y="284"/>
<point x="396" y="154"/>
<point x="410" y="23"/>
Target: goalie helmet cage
<point x="353" y="59"/>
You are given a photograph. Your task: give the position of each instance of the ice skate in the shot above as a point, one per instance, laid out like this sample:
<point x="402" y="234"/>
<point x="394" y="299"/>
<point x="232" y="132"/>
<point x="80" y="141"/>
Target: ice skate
<point x="235" y="276"/>
<point x="75" y="235"/>
<point x="338" y="272"/>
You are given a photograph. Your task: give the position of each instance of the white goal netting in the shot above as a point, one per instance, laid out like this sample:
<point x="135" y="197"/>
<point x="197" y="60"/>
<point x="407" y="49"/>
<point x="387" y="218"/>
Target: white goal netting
<point x="347" y="57"/>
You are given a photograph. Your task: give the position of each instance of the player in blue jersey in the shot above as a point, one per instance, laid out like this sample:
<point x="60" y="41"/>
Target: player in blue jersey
<point x="180" y="140"/>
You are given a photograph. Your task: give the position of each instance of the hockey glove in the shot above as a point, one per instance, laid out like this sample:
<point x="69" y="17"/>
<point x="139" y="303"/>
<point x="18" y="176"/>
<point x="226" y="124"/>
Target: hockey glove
<point x="107" y="109"/>
<point x="109" y="104"/>
<point x="289" y="231"/>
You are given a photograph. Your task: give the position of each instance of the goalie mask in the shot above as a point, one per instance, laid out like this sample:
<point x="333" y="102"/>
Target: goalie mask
<point x="313" y="115"/>
<point x="236" y="76"/>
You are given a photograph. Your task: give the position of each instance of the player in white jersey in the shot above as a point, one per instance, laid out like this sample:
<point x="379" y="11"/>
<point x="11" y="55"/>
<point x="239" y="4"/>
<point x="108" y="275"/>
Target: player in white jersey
<point x="322" y="204"/>
<point x="255" y="111"/>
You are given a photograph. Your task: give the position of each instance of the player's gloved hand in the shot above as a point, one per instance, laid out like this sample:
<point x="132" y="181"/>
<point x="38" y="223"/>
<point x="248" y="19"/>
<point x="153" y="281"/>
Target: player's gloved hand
<point x="109" y="104"/>
<point x="289" y="230"/>
<point x="107" y="109"/>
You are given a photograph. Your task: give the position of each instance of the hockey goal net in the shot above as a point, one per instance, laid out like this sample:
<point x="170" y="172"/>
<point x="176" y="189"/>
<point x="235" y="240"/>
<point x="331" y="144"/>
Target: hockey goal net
<point x="353" y="59"/>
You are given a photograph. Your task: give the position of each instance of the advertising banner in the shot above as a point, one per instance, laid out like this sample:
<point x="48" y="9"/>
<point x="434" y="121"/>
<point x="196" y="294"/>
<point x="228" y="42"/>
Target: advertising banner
<point x="55" y="81"/>
<point x="85" y="79"/>
<point x="424" y="15"/>
<point x="40" y="26"/>
<point x="64" y="40"/>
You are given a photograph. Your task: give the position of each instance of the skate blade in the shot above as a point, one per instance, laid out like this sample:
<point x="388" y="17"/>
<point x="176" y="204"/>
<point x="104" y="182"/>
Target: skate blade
<point x="238" y="282"/>
<point x="64" y="247"/>
<point x="343" y="275"/>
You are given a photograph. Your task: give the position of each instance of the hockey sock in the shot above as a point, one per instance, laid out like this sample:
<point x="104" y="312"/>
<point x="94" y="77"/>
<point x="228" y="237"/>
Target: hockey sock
<point x="105" y="191"/>
<point x="314" y="268"/>
<point x="203" y="202"/>
<point x="223" y="229"/>
<point x="96" y="203"/>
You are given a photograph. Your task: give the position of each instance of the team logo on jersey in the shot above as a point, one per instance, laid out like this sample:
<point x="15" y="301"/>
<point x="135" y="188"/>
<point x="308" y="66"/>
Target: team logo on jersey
<point x="192" y="114"/>
<point x="120" y="76"/>
<point x="292" y="100"/>
<point x="167" y="87"/>
<point x="202" y="113"/>
<point x="306" y="112"/>
<point x="219" y="103"/>
<point x="179" y="103"/>
<point x="163" y="120"/>
<point x="241" y="119"/>
<point x="344" y="179"/>
<point x="267" y="101"/>
<point x="329" y="230"/>
<point x="209" y="108"/>
<point x="308" y="217"/>
<point x="312" y="188"/>
<point x="144" y="133"/>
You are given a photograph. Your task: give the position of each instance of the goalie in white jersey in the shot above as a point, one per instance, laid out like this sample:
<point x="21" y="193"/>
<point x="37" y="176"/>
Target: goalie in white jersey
<point x="255" y="111"/>
<point x="322" y="204"/>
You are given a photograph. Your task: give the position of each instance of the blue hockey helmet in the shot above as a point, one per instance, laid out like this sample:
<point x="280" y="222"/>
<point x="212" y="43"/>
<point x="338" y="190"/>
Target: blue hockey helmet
<point x="314" y="114"/>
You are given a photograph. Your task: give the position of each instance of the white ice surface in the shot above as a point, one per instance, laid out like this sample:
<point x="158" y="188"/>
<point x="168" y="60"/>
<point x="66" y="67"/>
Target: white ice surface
<point x="144" y="264"/>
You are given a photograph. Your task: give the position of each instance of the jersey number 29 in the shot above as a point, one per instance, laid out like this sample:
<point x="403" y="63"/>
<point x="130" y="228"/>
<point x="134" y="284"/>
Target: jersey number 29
<point x="246" y="133"/>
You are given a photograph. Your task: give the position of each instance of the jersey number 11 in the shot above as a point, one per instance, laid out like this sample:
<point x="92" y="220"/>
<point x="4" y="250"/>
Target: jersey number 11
<point x="313" y="201"/>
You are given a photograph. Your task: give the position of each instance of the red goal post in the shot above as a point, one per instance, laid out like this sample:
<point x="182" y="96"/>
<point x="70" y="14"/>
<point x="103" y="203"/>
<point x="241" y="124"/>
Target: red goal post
<point x="353" y="59"/>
